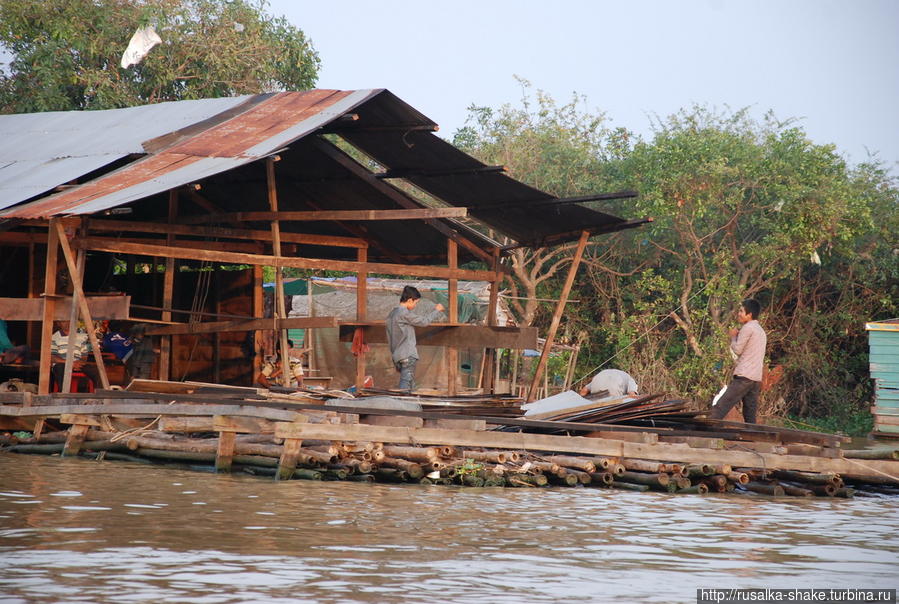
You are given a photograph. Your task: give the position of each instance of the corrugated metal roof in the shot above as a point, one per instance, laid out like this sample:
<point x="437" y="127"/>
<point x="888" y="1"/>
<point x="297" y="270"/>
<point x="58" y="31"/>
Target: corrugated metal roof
<point x="41" y="151"/>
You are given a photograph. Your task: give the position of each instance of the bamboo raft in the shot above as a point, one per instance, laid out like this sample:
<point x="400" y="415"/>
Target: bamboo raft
<point x="294" y="435"/>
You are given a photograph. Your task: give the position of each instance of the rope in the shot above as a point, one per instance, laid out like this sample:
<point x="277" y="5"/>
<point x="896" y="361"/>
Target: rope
<point x="640" y="337"/>
<point x="869" y="468"/>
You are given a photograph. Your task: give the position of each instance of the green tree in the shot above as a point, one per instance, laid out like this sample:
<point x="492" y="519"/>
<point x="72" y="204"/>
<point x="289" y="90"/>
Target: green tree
<point x="741" y="207"/>
<point x="559" y="149"/>
<point x="66" y="53"/>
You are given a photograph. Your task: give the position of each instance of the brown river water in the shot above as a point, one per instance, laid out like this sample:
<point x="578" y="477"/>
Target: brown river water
<point x="76" y="530"/>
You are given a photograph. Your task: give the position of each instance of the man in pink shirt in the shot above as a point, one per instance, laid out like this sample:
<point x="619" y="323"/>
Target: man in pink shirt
<point x="749" y="345"/>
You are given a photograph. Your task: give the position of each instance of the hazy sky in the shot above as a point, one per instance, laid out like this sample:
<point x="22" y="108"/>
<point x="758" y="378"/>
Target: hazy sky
<point x="834" y="64"/>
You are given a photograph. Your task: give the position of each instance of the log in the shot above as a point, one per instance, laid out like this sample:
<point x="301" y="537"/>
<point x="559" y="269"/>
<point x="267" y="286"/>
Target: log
<point x="425" y="454"/>
<point x="629" y="486"/>
<point x="738" y="477"/>
<point x="582" y="477"/>
<point x="872" y="453"/>
<point x="580" y="463"/>
<point x="810" y="477"/>
<point x="846" y="492"/>
<point x="411" y="468"/>
<point x="796" y="491"/>
<point x="604" y="478"/>
<point x="306" y="474"/>
<point x="698" y="470"/>
<point x="696" y="489"/>
<point x="491" y="456"/>
<point x="660" y="480"/>
<point x="567" y="480"/>
<point x="774" y="490"/>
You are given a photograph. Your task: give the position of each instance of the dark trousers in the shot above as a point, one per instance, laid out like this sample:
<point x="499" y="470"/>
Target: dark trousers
<point x="406" y="367"/>
<point x="739" y="389"/>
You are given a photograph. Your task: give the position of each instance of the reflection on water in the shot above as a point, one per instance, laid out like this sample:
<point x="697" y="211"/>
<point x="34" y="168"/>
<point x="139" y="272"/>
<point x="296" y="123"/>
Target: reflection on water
<point x="73" y="530"/>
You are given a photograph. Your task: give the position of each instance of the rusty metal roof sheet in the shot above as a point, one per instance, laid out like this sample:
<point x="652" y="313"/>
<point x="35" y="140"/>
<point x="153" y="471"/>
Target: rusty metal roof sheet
<point x="41" y="151"/>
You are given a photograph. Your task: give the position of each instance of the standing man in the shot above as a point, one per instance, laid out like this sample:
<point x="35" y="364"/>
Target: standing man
<point x="401" y="324"/>
<point x="749" y="345"/>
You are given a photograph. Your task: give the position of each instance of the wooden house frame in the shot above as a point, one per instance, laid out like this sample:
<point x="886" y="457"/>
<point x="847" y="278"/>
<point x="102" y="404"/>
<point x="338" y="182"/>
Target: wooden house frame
<point x="352" y="181"/>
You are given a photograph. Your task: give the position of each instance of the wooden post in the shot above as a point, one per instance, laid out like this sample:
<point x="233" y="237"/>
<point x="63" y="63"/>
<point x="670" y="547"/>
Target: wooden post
<point x="74" y="439"/>
<point x="557" y="315"/>
<point x="361" y="299"/>
<point x="82" y="302"/>
<point x="66" y="385"/>
<point x="168" y="290"/>
<point x="50" y="271"/>
<point x="488" y="378"/>
<point x="224" y="454"/>
<point x="259" y="312"/>
<point x="280" y="305"/>
<point x="452" y="353"/>
<point x="289" y="456"/>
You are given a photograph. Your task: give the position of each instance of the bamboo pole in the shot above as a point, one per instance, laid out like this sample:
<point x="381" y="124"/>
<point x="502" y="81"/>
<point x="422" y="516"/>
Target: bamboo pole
<point x="280" y="305"/>
<point x="557" y="315"/>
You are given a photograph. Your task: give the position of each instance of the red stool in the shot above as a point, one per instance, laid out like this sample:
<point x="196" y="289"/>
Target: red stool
<point x="78" y="379"/>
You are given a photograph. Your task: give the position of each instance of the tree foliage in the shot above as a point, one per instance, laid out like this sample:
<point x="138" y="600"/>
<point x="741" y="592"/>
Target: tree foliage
<point x="742" y="208"/>
<point x="66" y="53"/>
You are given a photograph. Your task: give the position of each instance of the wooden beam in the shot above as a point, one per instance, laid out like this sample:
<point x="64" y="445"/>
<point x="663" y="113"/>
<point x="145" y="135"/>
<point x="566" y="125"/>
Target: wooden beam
<point x="487" y="378"/>
<point x="321" y="215"/>
<point x="243" y="325"/>
<point x="442" y="334"/>
<point x="32" y="309"/>
<point x="118" y="226"/>
<point x="102" y="245"/>
<point x="83" y="307"/>
<point x="557" y="315"/>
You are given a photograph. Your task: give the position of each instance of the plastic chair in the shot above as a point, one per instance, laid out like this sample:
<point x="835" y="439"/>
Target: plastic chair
<point x="79" y="379"/>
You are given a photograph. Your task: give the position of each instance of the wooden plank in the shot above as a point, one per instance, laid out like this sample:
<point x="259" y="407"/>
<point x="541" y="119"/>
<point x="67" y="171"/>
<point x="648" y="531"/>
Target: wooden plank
<point x="150" y="410"/>
<point x="391" y="420"/>
<point x="590" y="446"/>
<point x="186" y="424"/>
<point x="242" y="424"/>
<point x="118" y="226"/>
<point x="319" y="215"/>
<point x="243" y="325"/>
<point x="32" y="309"/>
<point x="442" y="334"/>
<point x="102" y="245"/>
<point x="456" y="424"/>
<point x="634" y="437"/>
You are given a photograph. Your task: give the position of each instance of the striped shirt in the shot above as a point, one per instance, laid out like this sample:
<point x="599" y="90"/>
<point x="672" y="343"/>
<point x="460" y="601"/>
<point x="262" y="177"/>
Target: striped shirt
<point x="59" y="345"/>
<point x="749" y="346"/>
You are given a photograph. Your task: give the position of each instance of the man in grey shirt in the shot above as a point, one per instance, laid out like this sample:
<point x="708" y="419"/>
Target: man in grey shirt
<point x="749" y="345"/>
<point x="401" y="324"/>
<point x="614" y="382"/>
